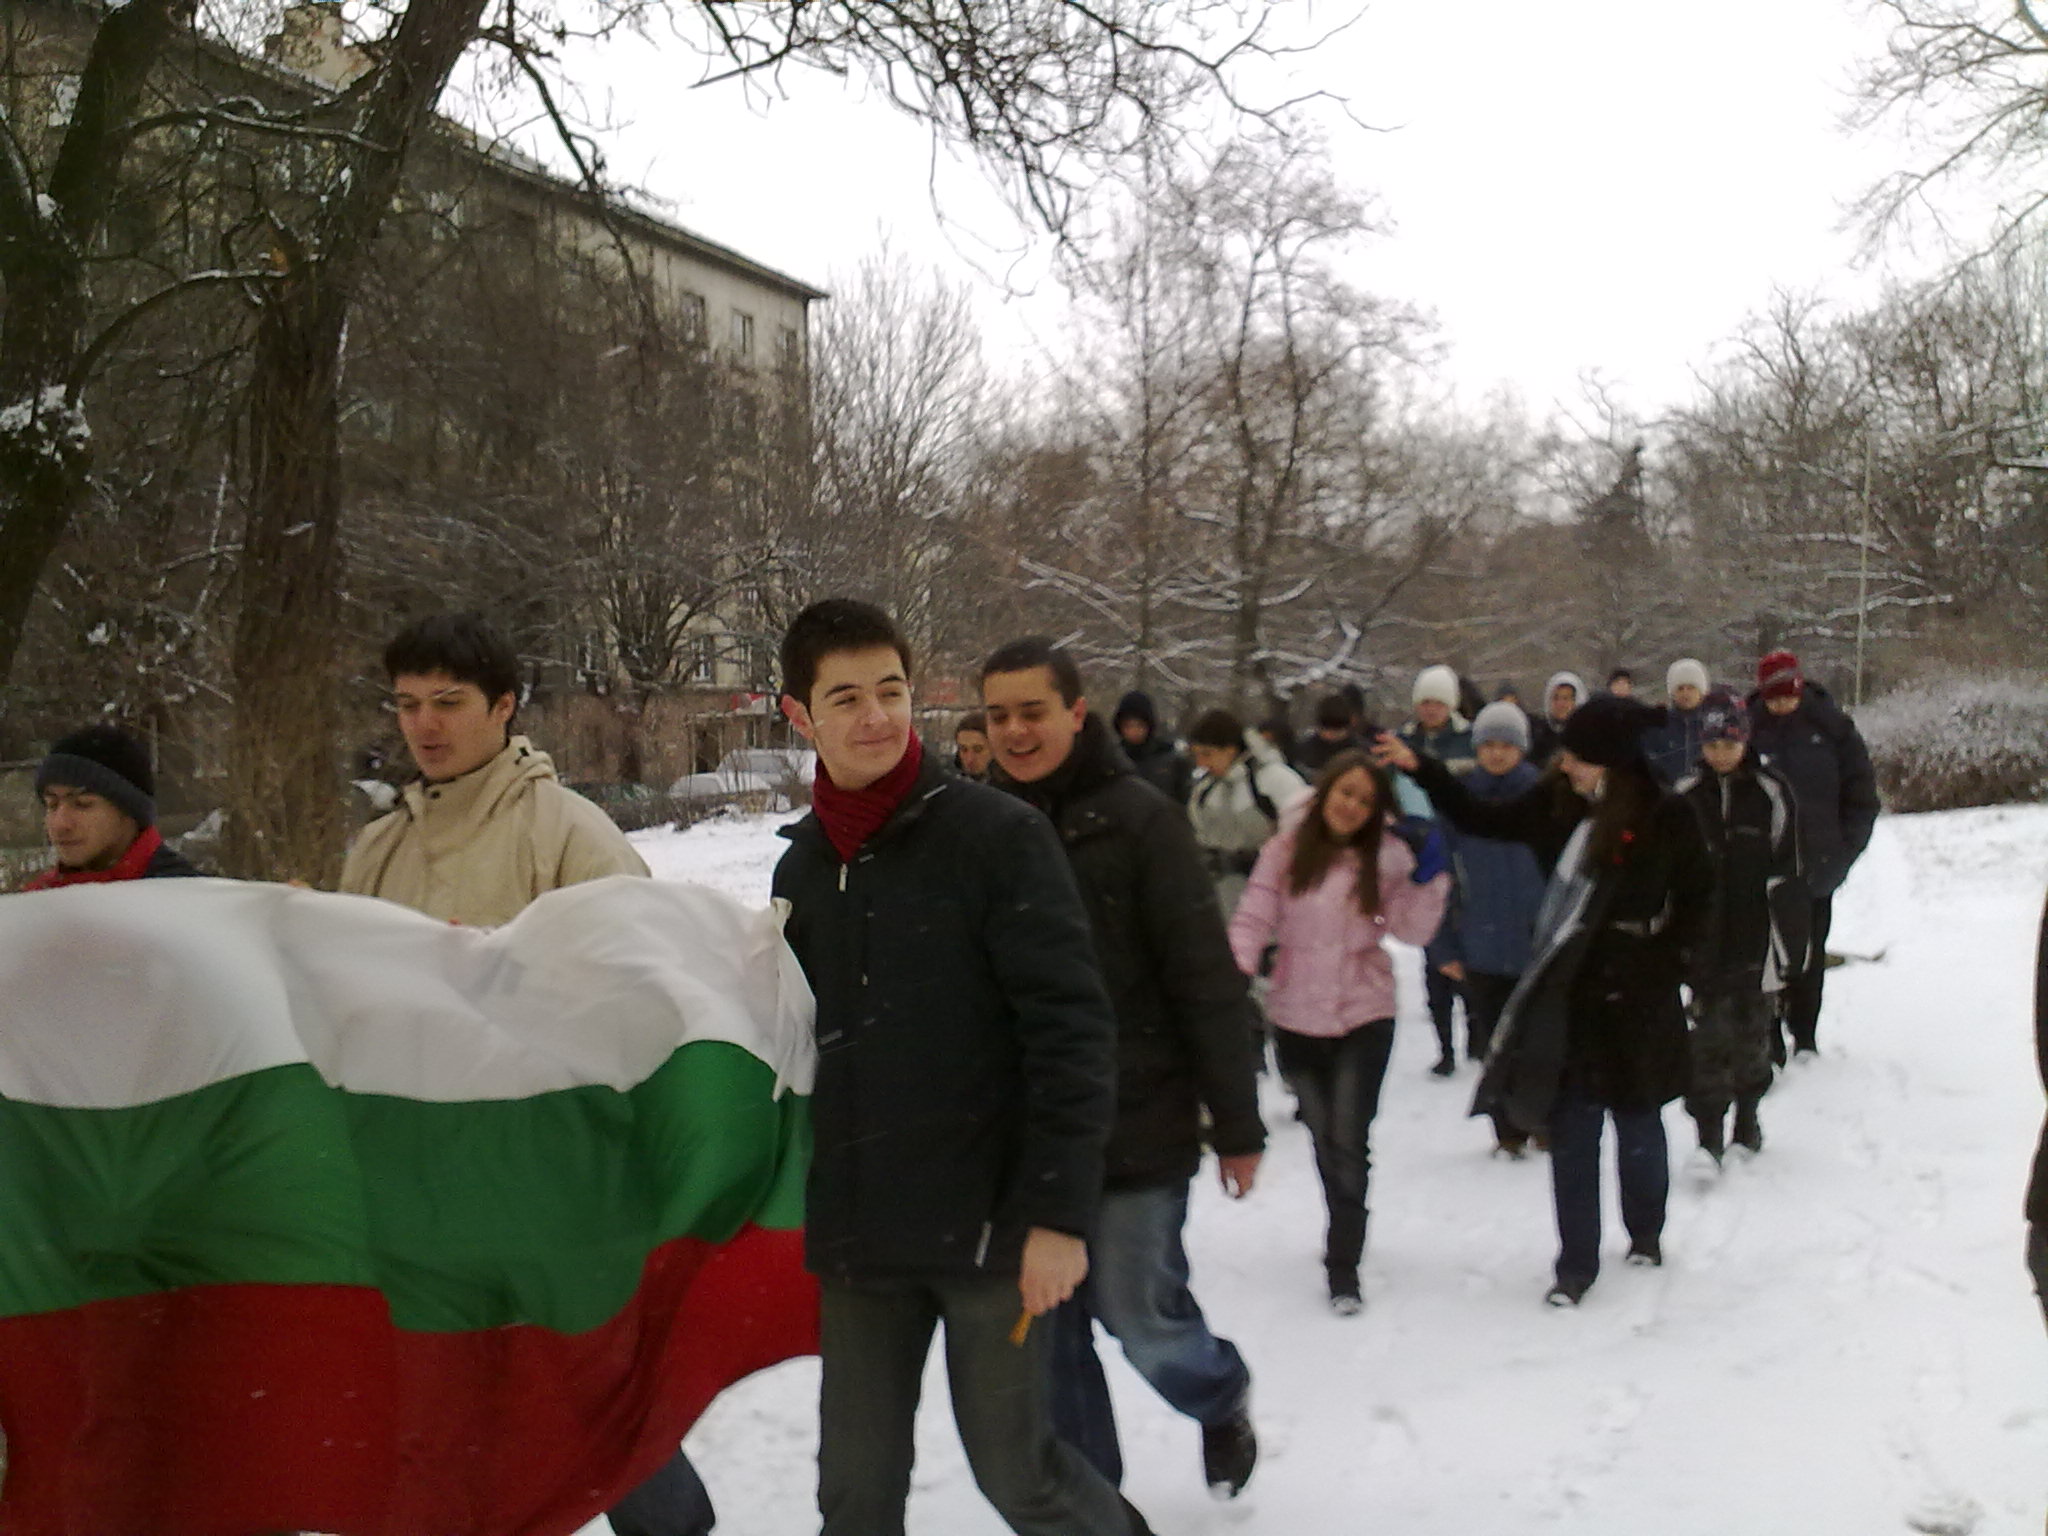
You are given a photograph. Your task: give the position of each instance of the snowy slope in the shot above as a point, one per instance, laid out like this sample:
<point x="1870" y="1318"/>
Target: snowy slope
<point x="1842" y="1341"/>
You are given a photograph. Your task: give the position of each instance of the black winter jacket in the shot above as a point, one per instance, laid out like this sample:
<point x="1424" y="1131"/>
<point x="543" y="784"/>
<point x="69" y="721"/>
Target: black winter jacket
<point x="1600" y="1012"/>
<point x="2037" y="1187"/>
<point x="1185" y="1041"/>
<point x="1821" y="755"/>
<point x="1762" y="921"/>
<point x="965" y="1066"/>
<point x="1161" y="763"/>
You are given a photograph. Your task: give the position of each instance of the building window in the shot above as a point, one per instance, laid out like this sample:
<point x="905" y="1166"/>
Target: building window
<point x="742" y="333"/>
<point x="791" y="345"/>
<point x="692" y="317"/>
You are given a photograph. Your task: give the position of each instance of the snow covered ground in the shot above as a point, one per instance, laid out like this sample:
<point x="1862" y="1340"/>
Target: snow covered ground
<point x="1841" y="1342"/>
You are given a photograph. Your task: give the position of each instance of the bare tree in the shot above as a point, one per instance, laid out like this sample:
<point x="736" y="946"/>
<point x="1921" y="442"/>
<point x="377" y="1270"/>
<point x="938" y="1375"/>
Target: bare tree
<point x="1969" y="79"/>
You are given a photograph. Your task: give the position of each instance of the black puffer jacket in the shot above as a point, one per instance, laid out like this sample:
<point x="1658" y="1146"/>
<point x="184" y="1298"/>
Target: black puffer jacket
<point x="1822" y="756"/>
<point x="965" y="1067"/>
<point x="2037" y="1187"/>
<point x="1762" y="919"/>
<point x="1184" y="1036"/>
<point x="1600" y="1012"/>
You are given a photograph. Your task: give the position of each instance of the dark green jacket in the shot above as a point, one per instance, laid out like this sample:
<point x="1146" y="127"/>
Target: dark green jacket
<point x="965" y="1070"/>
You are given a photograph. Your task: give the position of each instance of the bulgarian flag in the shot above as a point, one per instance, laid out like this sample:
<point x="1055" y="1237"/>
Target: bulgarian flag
<point x="320" y="1215"/>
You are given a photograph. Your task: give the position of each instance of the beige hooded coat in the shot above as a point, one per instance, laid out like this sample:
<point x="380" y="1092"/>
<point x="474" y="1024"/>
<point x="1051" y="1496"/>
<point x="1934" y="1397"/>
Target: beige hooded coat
<point x="476" y="850"/>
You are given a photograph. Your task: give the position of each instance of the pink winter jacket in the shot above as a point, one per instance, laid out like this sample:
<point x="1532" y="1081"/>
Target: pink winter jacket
<point x="1330" y="974"/>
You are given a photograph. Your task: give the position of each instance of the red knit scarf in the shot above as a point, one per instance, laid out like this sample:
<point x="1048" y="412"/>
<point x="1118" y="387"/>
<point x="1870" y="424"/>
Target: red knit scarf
<point x="851" y="816"/>
<point x="130" y="866"/>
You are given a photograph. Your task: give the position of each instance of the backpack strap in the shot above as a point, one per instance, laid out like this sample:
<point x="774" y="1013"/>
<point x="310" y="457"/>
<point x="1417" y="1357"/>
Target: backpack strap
<point x="1260" y="798"/>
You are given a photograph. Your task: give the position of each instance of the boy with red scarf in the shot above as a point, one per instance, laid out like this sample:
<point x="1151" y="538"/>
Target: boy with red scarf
<point x="99" y="812"/>
<point x="964" y="1095"/>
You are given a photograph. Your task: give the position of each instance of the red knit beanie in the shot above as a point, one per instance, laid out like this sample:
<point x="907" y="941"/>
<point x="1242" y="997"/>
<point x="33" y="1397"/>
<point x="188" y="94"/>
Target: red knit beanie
<point x="1778" y="676"/>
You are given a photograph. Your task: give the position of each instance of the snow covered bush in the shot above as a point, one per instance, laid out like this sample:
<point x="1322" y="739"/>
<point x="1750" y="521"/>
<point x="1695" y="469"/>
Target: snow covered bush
<point x="1952" y="741"/>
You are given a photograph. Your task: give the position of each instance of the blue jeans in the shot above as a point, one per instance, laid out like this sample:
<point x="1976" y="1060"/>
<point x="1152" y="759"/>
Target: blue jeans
<point x="1642" y="1161"/>
<point x="1137" y="1288"/>
<point x="673" y="1502"/>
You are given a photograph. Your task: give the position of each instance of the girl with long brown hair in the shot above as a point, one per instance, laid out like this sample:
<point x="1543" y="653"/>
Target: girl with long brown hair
<point x="1323" y="895"/>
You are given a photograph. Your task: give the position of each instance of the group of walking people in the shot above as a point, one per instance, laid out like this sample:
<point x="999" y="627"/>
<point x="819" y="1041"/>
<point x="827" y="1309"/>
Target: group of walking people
<point x="1044" y="972"/>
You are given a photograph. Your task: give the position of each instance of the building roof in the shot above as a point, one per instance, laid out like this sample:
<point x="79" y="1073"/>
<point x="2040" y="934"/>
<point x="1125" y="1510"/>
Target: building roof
<point x="512" y="164"/>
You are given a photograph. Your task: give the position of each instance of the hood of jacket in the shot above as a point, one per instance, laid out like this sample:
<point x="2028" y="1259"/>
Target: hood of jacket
<point x="479" y="848"/>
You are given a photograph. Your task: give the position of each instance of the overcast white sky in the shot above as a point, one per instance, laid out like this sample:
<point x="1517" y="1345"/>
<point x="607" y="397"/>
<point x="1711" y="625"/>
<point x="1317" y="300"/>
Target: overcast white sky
<point x="1581" y="185"/>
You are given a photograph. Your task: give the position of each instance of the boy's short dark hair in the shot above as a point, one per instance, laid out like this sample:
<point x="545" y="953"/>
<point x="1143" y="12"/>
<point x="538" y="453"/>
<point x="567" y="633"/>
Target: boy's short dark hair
<point x="829" y="627"/>
<point x="1620" y="673"/>
<point x="466" y="646"/>
<point x="1032" y="652"/>
<point x="1335" y="713"/>
<point x="973" y="720"/>
<point x="1217" y="728"/>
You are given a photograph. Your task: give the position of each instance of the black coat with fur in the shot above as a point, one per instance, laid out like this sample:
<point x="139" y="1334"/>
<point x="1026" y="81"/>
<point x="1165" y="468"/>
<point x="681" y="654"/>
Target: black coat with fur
<point x="1600" y="1014"/>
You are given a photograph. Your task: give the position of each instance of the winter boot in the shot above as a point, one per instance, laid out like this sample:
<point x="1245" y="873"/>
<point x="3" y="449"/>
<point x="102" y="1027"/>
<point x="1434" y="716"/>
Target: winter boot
<point x="1646" y="1253"/>
<point x="1569" y="1291"/>
<point x="1341" y="1253"/>
<point x="1446" y="1066"/>
<point x="1710" y="1124"/>
<point x="1229" y="1452"/>
<point x="1749" y="1135"/>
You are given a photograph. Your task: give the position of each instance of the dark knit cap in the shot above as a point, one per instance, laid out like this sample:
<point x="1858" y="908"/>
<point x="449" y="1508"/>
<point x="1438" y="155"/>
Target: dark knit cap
<point x="106" y="761"/>
<point x="1137" y="706"/>
<point x="1778" y="676"/>
<point x="1723" y="717"/>
<point x="1608" y="729"/>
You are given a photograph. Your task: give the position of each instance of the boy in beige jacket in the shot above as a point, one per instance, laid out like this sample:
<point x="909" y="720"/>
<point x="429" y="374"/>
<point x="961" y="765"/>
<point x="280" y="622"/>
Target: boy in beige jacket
<point x="484" y="830"/>
<point x="487" y="827"/>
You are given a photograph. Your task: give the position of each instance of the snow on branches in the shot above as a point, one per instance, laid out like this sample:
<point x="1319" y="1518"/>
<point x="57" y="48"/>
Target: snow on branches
<point x="47" y="424"/>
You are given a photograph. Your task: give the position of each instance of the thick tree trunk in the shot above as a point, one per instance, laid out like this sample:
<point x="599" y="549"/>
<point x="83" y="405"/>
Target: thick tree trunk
<point x="45" y="235"/>
<point x="45" y="449"/>
<point x="285" y="818"/>
<point x="285" y="783"/>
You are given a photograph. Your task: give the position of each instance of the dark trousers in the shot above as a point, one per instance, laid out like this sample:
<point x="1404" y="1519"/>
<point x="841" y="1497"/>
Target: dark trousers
<point x="1577" y="1122"/>
<point x="1730" y="1048"/>
<point x="1337" y="1082"/>
<point x="2037" y="1263"/>
<point x="1486" y="999"/>
<point x="1443" y="1009"/>
<point x="875" y="1337"/>
<point x="673" y="1502"/>
<point x="1799" y="1003"/>
<point x="1137" y="1288"/>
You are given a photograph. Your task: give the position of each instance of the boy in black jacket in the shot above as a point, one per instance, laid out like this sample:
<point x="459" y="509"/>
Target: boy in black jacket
<point x="1756" y="942"/>
<point x="964" y="1091"/>
<point x="1186" y="1052"/>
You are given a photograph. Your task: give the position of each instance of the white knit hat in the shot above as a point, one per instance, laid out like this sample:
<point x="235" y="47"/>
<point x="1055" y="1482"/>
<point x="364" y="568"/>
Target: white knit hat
<point x="1686" y="670"/>
<point x="1439" y="683"/>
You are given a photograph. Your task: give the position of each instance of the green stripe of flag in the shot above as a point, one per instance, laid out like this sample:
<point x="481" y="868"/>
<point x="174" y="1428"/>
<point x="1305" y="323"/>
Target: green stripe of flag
<point x="471" y="1215"/>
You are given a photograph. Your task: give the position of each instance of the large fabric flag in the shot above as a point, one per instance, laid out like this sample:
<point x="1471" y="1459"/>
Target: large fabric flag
<point x="320" y="1215"/>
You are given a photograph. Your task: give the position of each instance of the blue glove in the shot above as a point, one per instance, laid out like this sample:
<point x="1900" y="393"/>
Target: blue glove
<point x="1425" y="839"/>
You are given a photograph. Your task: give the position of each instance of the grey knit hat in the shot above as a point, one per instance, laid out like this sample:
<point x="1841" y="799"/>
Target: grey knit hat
<point x="1502" y="721"/>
